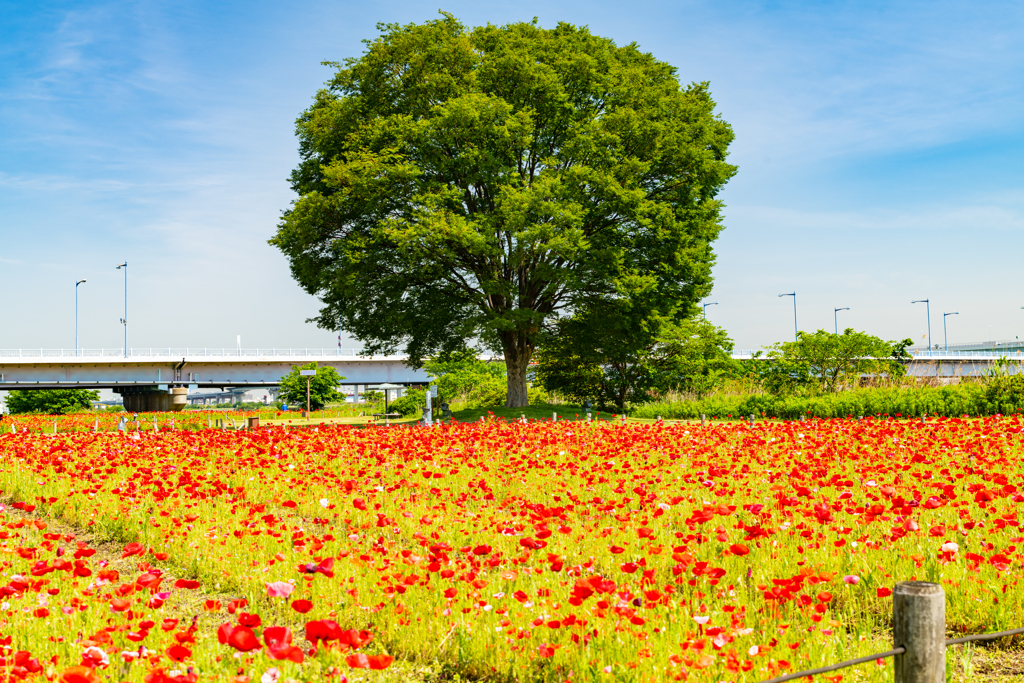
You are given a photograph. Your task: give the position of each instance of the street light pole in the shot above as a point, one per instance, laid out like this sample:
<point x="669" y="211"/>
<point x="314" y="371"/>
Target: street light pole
<point x="124" y="320"/>
<point x="835" y="317"/>
<point x="945" y="339"/>
<point x="928" y="312"/>
<point x="715" y="303"/>
<point x="796" y="330"/>
<point x="309" y="375"/>
<point x="76" y="315"/>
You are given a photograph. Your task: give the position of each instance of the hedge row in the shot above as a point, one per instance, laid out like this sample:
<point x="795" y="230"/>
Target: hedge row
<point x="949" y="401"/>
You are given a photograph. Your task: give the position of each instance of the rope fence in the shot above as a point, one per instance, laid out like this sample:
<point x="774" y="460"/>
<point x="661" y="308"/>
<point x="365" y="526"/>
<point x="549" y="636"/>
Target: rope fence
<point x="919" y="627"/>
<point x="836" y="667"/>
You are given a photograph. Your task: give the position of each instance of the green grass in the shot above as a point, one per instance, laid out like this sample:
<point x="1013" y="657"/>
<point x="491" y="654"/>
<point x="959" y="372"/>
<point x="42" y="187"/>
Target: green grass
<point x="538" y="412"/>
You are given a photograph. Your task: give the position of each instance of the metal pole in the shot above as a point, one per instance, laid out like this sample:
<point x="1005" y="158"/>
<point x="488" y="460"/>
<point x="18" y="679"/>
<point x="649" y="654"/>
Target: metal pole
<point x="307" y="396"/>
<point x="919" y="626"/>
<point x="796" y="329"/>
<point x="945" y="339"/>
<point x="714" y="303"/>
<point x="928" y="312"/>
<point x="124" y="320"/>
<point x="76" y="315"/>
<point x="835" y="316"/>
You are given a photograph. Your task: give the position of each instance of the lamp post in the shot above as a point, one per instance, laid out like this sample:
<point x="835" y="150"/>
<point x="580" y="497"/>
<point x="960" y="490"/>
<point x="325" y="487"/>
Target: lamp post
<point x="76" y="315"/>
<point x="796" y="332"/>
<point x="715" y="303"/>
<point x="309" y="375"/>
<point x="945" y="339"/>
<point x="928" y="312"/>
<point x="124" y="320"/>
<point x="835" y="317"/>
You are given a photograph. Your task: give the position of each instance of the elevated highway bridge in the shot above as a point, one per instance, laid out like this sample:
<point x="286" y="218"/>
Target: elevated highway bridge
<point x="160" y="379"/>
<point x="949" y="364"/>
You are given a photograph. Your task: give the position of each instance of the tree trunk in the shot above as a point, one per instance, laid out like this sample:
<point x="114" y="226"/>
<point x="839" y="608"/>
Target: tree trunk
<point x="518" y="351"/>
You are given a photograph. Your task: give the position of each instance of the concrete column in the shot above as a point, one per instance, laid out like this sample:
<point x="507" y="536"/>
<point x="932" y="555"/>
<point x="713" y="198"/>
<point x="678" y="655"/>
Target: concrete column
<point x="179" y="398"/>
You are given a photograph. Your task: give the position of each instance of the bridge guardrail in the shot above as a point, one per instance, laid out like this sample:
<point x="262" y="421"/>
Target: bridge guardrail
<point x="176" y="353"/>
<point x="189" y="352"/>
<point x="919" y="354"/>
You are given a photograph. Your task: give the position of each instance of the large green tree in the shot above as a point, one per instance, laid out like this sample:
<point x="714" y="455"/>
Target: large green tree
<point x="323" y="387"/>
<point x="51" y="401"/>
<point x="461" y="185"/>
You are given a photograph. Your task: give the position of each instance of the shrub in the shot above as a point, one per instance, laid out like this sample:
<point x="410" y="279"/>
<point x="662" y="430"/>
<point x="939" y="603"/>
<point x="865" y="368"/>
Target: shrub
<point x="410" y="403"/>
<point x="969" y="398"/>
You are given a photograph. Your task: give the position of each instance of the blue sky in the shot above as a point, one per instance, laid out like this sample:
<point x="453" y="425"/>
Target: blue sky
<point x="879" y="148"/>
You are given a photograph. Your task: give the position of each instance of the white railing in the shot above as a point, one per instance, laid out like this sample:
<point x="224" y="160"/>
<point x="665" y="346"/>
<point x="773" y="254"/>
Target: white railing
<point x="983" y="346"/>
<point x="178" y="353"/>
<point x="922" y="354"/>
<point x="938" y="354"/>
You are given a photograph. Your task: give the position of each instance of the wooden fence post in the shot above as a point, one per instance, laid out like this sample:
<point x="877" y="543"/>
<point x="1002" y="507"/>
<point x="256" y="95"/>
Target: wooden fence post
<point x="919" y="626"/>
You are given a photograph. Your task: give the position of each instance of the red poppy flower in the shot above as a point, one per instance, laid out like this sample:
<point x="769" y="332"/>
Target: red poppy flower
<point x="325" y="567"/>
<point x="739" y="549"/>
<point x="239" y="637"/>
<point x="277" y="635"/>
<point x="322" y="630"/>
<point x="133" y="549"/>
<point x="363" y="661"/>
<point x="302" y="606"/>
<point x="79" y="674"/>
<point x="149" y="580"/>
<point x="250" y="620"/>
<point x="179" y="653"/>
<point x="355" y="639"/>
<point x="186" y="583"/>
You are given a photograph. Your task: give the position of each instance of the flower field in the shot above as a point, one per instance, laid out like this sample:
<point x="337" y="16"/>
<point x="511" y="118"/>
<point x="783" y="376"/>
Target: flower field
<point x="156" y="422"/>
<point x="541" y="551"/>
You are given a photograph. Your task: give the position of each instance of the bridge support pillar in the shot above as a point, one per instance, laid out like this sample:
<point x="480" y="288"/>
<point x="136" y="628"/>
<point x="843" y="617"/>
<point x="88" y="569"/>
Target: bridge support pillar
<point x="155" y="400"/>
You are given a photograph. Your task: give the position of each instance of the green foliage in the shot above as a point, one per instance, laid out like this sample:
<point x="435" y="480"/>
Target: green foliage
<point x="695" y="356"/>
<point x="51" y="401"/>
<point x="828" y="361"/>
<point x="604" y="353"/>
<point x="462" y="184"/>
<point x="373" y="397"/>
<point x="412" y="402"/>
<point x="1005" y="389"/>
<point x="618" y="353"/>
<point x="538" y="396"/>
<point x="323" y="388"/>
<point x="968" y="398"/>
<point x="462" y="376"/>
